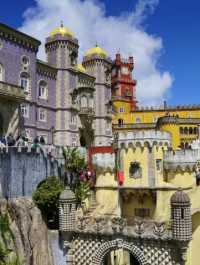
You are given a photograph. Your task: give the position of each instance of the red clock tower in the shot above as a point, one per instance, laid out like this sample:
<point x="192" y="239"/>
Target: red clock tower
<point x="123" y="84"/>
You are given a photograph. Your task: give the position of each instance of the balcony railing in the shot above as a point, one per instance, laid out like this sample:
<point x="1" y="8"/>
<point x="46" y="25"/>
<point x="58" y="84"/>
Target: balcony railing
<point x="86" y="111"/>
<point x="12" y="92"/>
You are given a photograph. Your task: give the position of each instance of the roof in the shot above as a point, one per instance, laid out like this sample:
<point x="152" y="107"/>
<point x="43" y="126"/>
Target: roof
<point x="62" y="31"/>
<point x="180" y="197"/>
<point x="18" y="36"/>
<point x="96" y="51"/>
<point x="67" y="195"/>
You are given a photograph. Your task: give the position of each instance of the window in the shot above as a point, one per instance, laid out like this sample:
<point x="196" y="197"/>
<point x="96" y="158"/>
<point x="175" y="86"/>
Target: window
<point x="138" y="120"/>
<point x="135" y="170"/>
<point x="182" y="213"/>
<point x="83" y="102"/>
<point x="142" y="212"/>
<point x="1" y="73"/>
<point x="155" y="119"/>
<point x="91" y="102"/>
<point x="120" y="123"/>
<point x="158" y="164"/>
<point x="43" y="138"/>
<point x="181" y="130"/>
<point x="25" y="82"/>
<point x="73" y="118"/>
<point x="43" y="93"/>
<point x="185" y="130"/>
<point x="25" y="60"/>
<point x="125" y="71"/>
<point x="190" y="130"/>
<point x="121" y="109"/>
<point x="25" y="110"/>
<point x="42" y="115"/>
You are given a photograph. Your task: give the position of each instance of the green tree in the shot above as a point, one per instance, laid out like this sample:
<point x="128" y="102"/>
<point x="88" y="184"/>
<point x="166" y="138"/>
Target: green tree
<point x="74" y="161"/>
<point x="46" y="198"/>
<point x="82" y="191"/>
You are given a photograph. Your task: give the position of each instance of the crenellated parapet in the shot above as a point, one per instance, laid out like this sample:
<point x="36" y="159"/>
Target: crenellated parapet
<point x="104" y="162"/>
<point x="184" y="160"/>
<point x="145" y="138"/>
<point x="23" y="168"/>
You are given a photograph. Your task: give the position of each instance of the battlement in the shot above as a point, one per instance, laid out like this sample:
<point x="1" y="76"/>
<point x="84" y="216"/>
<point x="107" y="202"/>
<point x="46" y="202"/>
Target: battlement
<point x="181" y="159"/>
<point x="144" y="138"/>
<point x="104" y="161"/>
<point x="166" y="108"/>
<point x="23" y="168"/>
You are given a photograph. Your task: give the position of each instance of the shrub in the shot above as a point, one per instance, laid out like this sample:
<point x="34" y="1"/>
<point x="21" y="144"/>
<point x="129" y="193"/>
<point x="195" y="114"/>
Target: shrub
<point x="46" y="198"/>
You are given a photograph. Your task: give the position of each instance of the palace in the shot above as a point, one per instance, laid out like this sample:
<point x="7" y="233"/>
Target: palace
<point x="66" y="103"/>
<point x="180" y="121"/>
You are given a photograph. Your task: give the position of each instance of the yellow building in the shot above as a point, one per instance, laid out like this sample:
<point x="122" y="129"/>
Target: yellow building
<point x="180" y="121"/>
<point x="152" y="174"/>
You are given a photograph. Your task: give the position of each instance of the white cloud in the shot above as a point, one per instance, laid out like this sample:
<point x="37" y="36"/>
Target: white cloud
<point x="88" y="20"/>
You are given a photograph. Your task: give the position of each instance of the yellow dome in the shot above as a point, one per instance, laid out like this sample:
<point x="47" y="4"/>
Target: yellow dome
<point x="96" y="51"/>
<point x="62" y="31"/>
<point x="80" y="68"/>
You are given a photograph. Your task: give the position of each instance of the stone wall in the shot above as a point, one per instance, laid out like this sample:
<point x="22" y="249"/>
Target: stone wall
<point x="22" y="169"/>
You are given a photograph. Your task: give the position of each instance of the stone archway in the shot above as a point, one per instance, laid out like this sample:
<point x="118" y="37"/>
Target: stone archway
<point x="105" y="248"/>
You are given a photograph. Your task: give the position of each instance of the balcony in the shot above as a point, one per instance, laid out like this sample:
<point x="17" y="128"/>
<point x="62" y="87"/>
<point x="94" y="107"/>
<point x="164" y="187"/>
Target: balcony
<point x="11" y="92"/>
<point x="86" y="111"/>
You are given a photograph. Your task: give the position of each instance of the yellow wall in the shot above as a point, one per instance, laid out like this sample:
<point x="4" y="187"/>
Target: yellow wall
<point x="150" y="116"/>
<point x="109" y="202"/>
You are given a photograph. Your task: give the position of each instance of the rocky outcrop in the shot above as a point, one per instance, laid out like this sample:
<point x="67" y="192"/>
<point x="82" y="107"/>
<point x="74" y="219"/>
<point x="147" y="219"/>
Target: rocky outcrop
<point x="29" y="230"/>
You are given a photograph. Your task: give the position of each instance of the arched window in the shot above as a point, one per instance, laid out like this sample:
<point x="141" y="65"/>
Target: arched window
<point x="83" y="102"/>
<point x="120" y="123"/>
<point x="181" y="130"/>
<point x="185" y="130"/>
<point x="138" y="120"/>
<point x="91" y="102"/>
<point x="195" y="130"/>
<point x="25" y="81"/>
<point x="43" y="92"/>
<point x="1" y="73"/>
<point x="190" y="130"/>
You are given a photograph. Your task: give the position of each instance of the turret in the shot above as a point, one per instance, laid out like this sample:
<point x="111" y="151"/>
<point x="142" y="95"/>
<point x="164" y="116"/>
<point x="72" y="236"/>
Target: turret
<point x="181" y="216"/>
<point x="62" y="48"/>
<point x="67" y="210"/>
<point x="123" y="84"/>
<point x="98" y="64"/>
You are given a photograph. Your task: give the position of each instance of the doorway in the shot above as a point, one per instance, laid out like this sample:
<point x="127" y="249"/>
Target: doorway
<point x="120" y="257"/>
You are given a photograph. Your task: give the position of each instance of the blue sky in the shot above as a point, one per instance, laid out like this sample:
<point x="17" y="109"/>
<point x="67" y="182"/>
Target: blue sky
<point x="176" y="24"/>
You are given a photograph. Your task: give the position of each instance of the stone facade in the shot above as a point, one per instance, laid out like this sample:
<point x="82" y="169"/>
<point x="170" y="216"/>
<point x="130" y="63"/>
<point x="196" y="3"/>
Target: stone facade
<point x="65" y="103"/>
<point x="22" y="169"/>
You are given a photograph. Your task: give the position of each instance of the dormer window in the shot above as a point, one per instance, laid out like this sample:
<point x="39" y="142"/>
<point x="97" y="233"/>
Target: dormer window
<point x="43" y="92"/>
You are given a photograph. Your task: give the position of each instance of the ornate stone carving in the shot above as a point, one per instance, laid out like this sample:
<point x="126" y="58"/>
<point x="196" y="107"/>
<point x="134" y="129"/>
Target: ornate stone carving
<point x="159" y="228"/>
<point x="139" y="227"/>
<point x="118" y="224"/>
<point x="100" y="222"/>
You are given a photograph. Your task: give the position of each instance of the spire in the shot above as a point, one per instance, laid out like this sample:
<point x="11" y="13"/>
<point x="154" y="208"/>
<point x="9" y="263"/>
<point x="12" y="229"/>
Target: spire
<point x="61" y="24"/>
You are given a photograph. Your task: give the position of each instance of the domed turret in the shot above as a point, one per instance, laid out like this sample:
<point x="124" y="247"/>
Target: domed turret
<point x="98" y="51"/>
<point x="63" y="31"/>
<point x="181" y="216"/>
<point x="67" y="209"/>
